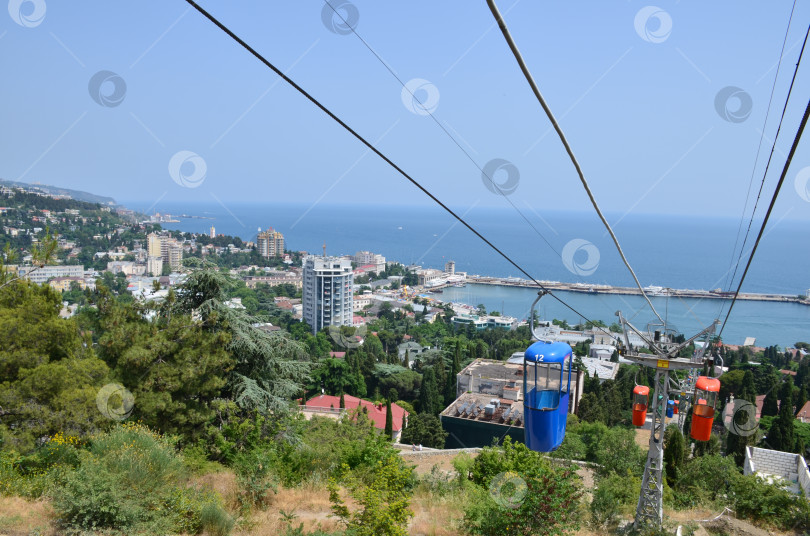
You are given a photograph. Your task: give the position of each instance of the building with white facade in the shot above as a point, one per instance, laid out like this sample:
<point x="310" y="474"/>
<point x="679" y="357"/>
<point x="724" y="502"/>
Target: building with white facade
<point x="365" y="258"/>
<point x="327" y="292"/>
<point x="42" y="275"/>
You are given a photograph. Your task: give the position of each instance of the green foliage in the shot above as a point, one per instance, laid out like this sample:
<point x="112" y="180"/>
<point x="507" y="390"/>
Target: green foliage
<point x="316" y="450"/>
<point x="674" y="452"/>
<point x="253" y="478"/>
<point x="611" y="496"/>
<point x="519" y="492"/>
<point x="382" y="502"/>
<point x="269" y="368"/>
<point x="616" y="452"/>
<point x="573" y="447"/>
<point x="132" y="480"/>
<point x="337" y="377"/>
<point x="424" y="429"/>
<point x="49" y="374"/>
<point x="173" y="367"/>
<point x="389" y="419"/>
<point x="429" y="400"/>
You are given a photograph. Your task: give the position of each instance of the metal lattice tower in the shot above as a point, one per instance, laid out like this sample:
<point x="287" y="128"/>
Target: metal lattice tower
<point x="649" y="510"/>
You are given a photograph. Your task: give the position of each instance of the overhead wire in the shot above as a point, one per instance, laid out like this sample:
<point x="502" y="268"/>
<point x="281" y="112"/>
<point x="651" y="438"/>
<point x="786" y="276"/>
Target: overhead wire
<point x="502" y="25"/>
<point x="730" y="281"/>
<point x="793" y="147"/>
<point x="764" y="176"/>
<point x="380" y="154"/>
<point x="435" y="120"/>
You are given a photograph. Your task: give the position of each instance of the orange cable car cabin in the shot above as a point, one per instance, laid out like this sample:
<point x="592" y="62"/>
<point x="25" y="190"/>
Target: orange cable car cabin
<point x="706" y="392"/>
<point x="641" y="396"/>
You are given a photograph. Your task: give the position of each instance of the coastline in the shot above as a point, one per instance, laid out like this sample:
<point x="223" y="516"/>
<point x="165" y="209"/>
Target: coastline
<point x="628" y="291"/>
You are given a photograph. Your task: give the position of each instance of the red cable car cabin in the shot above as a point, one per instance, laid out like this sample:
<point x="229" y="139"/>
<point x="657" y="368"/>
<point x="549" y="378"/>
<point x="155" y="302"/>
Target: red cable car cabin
<point x="706" y="391"/>
<point x="641" y="395"/>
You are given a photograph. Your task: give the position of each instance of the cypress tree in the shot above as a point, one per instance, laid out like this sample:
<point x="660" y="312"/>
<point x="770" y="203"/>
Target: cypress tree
<point x="769" y="405"/>
<point x="801" y="400"/>
<point x="407" y="362"/>
<point x="429" y="400"/>
<point x="782" y="435"/>
<point x="674" y="452"/>
<point x="342" y="402"/>
<point x="389" y="420"/>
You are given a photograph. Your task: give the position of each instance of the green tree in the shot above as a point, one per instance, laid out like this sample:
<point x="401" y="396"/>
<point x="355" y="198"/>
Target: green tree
<point x="429" y="400"/>
<point x="801" y="399"/>
<point x="50" y="375"/>
<point x="335" y="376"/>
<point x="383" y="504"/>
<point x="173" y="367"/>
<point x="770" y="406"/>
<point x="782" y="435"/>
<point x="269" y="368"/>
<point x="674" y="453"/>
<point x="424" y="429"/>
<point x="389" y="419"/>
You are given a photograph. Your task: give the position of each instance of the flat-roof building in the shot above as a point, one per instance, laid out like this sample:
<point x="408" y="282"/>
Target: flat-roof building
<point x="327" y="292"/>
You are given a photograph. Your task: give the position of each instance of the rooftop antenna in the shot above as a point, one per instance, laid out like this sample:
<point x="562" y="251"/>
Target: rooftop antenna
<point x="324" y="250"/>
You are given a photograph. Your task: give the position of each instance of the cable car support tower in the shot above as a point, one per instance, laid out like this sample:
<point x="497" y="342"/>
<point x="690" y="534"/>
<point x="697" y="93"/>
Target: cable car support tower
<point x="650" y="501"/>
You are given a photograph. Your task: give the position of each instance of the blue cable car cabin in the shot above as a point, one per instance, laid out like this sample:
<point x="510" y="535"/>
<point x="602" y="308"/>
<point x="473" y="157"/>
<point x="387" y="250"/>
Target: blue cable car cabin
<point x="546" y="387"/>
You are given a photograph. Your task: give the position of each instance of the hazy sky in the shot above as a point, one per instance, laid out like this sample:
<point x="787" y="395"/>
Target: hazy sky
<point x="183" y="114"/>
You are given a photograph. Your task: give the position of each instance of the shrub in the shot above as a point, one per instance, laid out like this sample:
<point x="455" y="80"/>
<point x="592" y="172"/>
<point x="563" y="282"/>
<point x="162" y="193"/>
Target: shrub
<point x="253" y="477"/>
<point x="131" y="480"/>
<point x="383" y="502"/>
<point x="755" y="499"/>
<point x="519" y="492"/>
<point x="611" y="494"/>
<point x="617" y="452"/>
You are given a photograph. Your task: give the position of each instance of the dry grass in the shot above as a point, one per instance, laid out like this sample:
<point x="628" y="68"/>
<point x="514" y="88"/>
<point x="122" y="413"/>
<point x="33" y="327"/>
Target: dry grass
<point x="309" y="504"/>
<point x="21" y="517"/>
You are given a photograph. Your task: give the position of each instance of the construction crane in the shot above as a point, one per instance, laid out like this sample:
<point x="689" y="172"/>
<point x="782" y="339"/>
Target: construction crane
<point x="649" y="510"/>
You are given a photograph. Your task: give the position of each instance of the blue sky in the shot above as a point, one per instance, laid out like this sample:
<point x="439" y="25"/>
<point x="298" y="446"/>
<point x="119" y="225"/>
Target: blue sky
<point x="636" y="101"/>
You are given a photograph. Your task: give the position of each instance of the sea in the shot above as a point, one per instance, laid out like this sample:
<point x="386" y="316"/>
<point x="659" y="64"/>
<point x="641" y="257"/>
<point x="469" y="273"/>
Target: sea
<point x="667" y="251"/>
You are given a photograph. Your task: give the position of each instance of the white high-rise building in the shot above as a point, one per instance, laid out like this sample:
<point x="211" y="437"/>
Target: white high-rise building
<point x="327" y="292"/>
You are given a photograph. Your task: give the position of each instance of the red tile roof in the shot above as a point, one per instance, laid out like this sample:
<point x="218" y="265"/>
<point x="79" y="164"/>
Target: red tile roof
<point x="339" y="355"/>
<point x="375" y="413"/>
